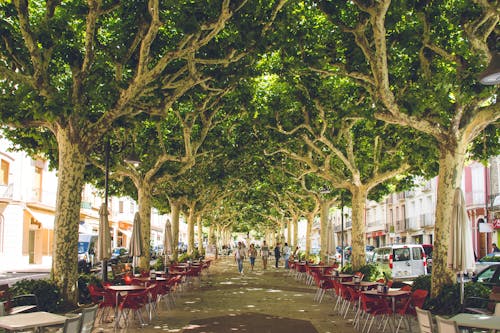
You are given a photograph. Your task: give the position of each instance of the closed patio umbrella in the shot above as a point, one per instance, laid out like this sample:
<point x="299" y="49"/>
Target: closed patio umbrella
<point x="103" y="240"/>
<point x="135" y="246"/>
<point x="167" y="240"/>
<point x="460" y="248"/>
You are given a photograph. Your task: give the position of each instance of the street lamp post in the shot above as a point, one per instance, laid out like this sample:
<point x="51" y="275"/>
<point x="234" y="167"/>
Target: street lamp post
<point x="106" y="186"/>
<point x="342" y="228"/>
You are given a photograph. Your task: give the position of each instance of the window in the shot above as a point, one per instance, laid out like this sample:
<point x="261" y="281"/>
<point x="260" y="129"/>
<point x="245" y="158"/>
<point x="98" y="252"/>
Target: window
<point x="120" y="206"/>
<point x="37" y="184"/>
<point x="4" y="173"/>
<point x="417" y="253"/>
<point x="402" y="254"/>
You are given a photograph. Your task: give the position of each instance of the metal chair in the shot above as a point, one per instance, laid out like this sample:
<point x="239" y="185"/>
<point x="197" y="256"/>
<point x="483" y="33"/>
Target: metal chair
<point x="424" y="319"/>
<point x="88" y="318"/>
<point x="446" y="325"/>
<point x="72" y="324"/>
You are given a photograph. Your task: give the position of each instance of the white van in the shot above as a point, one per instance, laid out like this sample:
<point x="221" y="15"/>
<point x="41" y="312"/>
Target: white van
<point x="402" y="261"/>
<point x="86" y="249"/>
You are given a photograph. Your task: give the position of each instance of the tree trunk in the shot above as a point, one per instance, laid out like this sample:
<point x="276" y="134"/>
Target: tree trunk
<point x="212" y="241"/>
<point x="359" y="195"/>
<point x="450" y="177"/>
<point x="69" y="195"/>
<point x="200" y="235"/>
<point x="310" y="221"/>
<point x="289" y="233"/>
<point x="144" y="201"/>
<point x="325" y="208"/>
<point x="175" y="206"/>
<point x="295" y="223"/>
<point x="190" y="229"/>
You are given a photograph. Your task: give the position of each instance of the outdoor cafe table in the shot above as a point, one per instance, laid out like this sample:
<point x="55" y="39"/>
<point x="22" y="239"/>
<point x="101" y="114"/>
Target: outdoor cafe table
<point x="392" y="294"/>
<point x="31" y="320"/>
<point x="341" y="277"/>
<point x="474" y="320"/>
<point x="361" y="284"/>
<point x="123" y="289"/>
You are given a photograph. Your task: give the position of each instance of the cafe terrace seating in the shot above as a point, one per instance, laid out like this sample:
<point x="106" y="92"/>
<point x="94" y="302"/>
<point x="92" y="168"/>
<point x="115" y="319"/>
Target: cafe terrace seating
<point x="424" y="319"/>
<point x="446" y="325"/>
<point x="408" y="310"/>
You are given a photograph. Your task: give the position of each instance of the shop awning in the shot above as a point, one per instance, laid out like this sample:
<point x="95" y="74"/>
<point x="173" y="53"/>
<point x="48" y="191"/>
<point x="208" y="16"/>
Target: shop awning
<point x="45" y="219"/>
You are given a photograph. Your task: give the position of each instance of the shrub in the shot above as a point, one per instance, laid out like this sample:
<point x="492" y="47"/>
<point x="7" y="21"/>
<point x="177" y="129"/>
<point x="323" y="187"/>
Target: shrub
<point x="159" y="265"/>
<point x="49" y="296"/>
<point x="83" y="291"/>
<point x="372" y="272"/>
<point x="448" y="301"/>
<point x="422" y="282"/>
<point x="347" y="268"/>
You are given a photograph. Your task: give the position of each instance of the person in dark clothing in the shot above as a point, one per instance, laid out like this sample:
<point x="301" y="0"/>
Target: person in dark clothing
<point x="495" y="248"/>
<point x="277" y="254"/>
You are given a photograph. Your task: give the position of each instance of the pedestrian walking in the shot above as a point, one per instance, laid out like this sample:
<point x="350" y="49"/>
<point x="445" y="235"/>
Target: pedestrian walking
<point x="264" y="252"/>
<point x="286" y="254"/>
<point x="495" y="248"/>
<point x="239" y="256"/>
<point x="252" y="254"/>
<point x="277" y="254"/>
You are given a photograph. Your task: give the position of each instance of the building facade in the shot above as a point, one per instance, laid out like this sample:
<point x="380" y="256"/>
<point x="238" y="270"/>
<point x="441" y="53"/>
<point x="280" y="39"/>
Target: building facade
<point x="28" y="190"/>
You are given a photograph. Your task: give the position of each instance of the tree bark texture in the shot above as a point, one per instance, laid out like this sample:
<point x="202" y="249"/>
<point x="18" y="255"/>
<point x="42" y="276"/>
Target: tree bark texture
<point x="144" y="203"/>
<point x="450" y="177"/>
<point x="201" y="250"/>
<point x="69" y="195"/>
<point x="359" y="195"/>
<point x="175" y="211"/>
<point x="325" y="208"/>
<point x="310" y="221"/>
<point x="295" y="223"/>
<point x="190" y="229"/>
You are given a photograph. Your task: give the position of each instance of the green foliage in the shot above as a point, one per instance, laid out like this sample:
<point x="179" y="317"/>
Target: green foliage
<point x="447" y="302"/>
<point x="313" y="258"/>
<point x="49" y="297"/>
<point x="372" y="272"/>
<point x="347" y="268"/>
<point x="159" y="265"/>
<point x="422" y="282"/>
<point x="84" y="280"/>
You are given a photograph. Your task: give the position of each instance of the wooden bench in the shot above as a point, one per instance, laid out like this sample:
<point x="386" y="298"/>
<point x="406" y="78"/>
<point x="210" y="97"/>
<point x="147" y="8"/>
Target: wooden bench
<point x="483" y="305"/>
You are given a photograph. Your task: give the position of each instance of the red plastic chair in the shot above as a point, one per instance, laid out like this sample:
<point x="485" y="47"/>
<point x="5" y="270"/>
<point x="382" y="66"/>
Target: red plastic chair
<point x="106" y="299"/>
<point x="408" y="310"/>
<point x="133" y="302"/>
<point x="128" y="279"/>
<point x="372" y="307"/>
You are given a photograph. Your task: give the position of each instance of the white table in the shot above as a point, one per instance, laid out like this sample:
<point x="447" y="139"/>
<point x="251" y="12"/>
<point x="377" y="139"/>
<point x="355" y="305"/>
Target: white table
<point x="473" y="320"/>
<point x="36" y="320"/>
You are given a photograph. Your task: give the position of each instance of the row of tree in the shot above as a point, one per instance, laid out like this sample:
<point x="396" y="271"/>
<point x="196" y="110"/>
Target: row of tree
<point x="240" y="110"/>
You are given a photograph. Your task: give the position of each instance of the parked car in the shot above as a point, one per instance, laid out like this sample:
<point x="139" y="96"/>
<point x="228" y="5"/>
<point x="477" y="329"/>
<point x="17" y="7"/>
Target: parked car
<point x="489" y="276"/>
<point x="402" y="261"/>
<point x="487" y="260"/>
<point x="120" y="254"/>
<point x="428" y="248"/>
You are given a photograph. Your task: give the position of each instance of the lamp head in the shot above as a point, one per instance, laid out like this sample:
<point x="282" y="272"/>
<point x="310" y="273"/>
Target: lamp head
<point x="133" y="159"/>
<point x="491" y="74"/>
<point x="324" y="189"/>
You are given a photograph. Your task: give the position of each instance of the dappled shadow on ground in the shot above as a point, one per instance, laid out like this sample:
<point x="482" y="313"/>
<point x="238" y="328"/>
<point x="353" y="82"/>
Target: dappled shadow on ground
<point x="249" y="323"/>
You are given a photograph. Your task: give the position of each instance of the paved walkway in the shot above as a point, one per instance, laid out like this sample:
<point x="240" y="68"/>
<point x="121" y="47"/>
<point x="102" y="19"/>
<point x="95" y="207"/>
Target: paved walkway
<point x="259" y="301"/>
